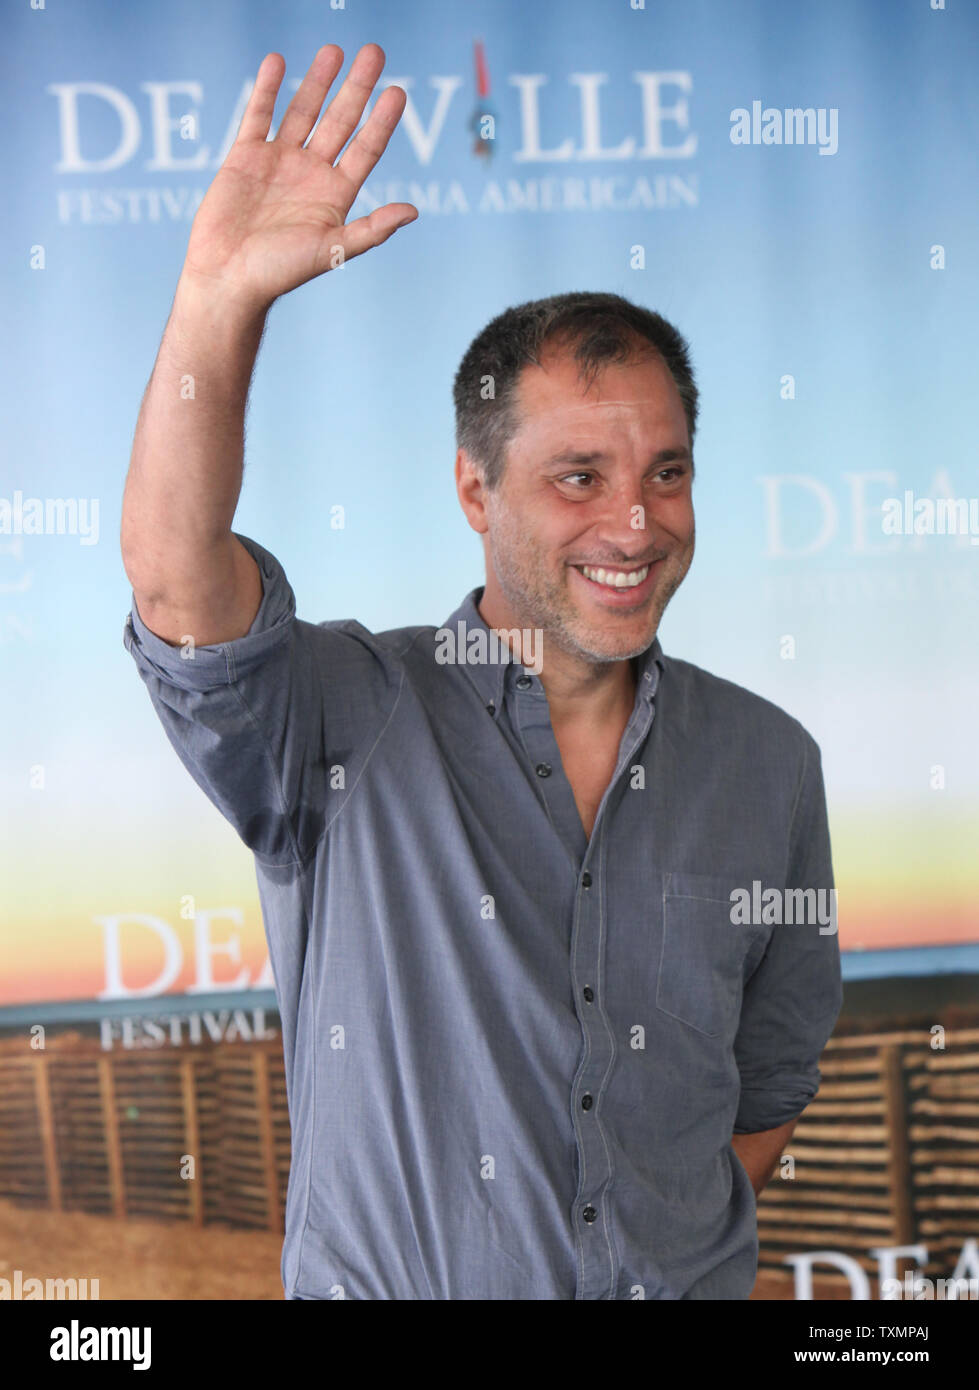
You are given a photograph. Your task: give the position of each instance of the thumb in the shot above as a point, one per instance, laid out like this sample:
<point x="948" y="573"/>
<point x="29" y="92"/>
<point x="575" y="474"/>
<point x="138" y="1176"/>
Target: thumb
<point x="365" y="232"/>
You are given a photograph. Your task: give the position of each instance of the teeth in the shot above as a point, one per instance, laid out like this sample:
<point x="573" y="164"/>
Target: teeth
<point x="615" y="579"/>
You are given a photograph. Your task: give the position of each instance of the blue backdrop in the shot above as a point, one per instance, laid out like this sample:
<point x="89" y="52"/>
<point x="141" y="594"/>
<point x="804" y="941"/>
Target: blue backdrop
<point x="827" y="286"/>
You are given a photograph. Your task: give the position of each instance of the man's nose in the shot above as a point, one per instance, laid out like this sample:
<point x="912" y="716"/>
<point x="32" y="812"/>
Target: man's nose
<point x="626" y="522"/>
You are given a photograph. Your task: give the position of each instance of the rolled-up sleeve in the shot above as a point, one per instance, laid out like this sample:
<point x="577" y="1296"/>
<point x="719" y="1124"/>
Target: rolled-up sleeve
<point x="263" y="723"/>
<point x="792" y="1000"/>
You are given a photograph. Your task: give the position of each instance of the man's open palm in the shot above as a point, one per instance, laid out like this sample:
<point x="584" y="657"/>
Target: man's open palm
<point x="274" y="216"/>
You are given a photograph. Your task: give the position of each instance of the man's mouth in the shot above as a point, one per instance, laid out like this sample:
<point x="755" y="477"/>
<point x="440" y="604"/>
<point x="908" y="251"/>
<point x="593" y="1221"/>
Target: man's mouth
<point x="614" y="578"/>
<point x="619" y="587"/>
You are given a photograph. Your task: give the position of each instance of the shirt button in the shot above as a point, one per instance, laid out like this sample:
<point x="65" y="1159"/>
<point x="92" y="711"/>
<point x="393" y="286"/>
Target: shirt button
<point x="586" y="879"/>
<point x="491" y="707"/>
<point x="543" y="769"/>
<point x="589" y="1214"/>
<point x="586" y="1101"/>
<point x="524" y="682"/>
<point x="588" y="993"/>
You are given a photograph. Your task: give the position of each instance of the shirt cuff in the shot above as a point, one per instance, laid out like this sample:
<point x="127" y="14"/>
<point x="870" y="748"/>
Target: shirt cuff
<point x="201" y="668"/>
<point x="759" y="1110"/>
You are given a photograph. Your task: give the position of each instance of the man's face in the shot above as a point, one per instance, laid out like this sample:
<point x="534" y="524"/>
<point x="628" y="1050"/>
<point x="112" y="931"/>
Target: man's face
<point x="594" y="480"/>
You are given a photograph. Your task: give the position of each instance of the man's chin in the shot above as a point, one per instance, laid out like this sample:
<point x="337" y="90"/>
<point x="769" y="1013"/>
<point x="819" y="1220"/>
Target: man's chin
<point x="595" y="645"/>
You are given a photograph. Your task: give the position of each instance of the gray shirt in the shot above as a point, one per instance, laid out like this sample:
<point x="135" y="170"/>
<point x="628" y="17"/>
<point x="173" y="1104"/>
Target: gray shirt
<point x="515" y="1055"/>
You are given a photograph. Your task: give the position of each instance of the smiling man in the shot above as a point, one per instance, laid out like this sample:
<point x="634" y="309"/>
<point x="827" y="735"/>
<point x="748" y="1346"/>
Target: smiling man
<point x="585" y="541"/>
<point x="530" y="1052"/>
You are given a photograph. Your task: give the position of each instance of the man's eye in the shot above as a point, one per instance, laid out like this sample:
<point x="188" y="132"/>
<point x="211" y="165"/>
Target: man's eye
<point x="668" y="475"/>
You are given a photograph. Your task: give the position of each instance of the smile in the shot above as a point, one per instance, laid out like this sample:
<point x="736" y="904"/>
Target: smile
<point x="614" y="579"/>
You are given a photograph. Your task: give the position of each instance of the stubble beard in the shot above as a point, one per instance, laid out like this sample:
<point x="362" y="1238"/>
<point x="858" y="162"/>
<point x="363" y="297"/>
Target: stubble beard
<point x="542" y="600"/>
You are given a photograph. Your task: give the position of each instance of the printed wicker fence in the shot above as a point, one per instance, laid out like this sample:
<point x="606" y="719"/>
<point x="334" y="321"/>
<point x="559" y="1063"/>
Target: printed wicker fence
<point x="887" y="1154"/>
<point x="112" y="1132"/>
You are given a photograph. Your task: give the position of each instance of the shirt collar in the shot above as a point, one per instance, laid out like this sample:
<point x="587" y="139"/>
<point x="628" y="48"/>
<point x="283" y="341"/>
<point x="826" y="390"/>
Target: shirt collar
<point x="493" y="680"/>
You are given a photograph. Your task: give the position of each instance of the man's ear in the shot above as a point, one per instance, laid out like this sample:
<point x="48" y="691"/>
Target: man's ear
<point x="471" y="490"/>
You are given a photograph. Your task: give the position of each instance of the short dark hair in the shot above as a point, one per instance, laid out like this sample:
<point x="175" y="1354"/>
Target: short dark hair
<point x="600" y="328"/>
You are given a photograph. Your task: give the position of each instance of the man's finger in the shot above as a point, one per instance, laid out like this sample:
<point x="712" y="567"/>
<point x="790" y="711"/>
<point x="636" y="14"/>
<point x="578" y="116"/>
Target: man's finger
<point x="257" y="119"/>
<point x="370" y="142"/>
<point x="346" y="108"/>
<point x="302" y="112"/>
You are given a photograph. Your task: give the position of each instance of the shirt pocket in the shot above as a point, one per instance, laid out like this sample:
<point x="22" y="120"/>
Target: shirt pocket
<point x="705" y="957"/>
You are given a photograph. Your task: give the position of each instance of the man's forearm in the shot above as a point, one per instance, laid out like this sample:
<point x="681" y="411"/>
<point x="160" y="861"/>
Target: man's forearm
<point x="760" y="1152"/>
<point x="186" y="468"/>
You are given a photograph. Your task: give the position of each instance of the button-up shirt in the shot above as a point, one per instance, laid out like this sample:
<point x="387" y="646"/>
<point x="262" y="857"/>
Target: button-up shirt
<point x="515" y="1053"/>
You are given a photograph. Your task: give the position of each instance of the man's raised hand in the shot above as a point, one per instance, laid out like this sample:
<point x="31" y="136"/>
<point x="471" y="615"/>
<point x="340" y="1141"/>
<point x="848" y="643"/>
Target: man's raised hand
<point x="274" y="216"/>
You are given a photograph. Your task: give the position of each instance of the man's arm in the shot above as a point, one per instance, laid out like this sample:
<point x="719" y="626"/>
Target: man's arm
<point x="272" y="219"/>
<point x="793" y="997"/>
<point x="189" y="574"/>
<point x="759" y="1153"/>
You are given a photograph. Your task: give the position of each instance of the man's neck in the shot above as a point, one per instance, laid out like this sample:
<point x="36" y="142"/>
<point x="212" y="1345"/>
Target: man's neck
<point x="580" y="693"/>
<point x="589" y="696"/>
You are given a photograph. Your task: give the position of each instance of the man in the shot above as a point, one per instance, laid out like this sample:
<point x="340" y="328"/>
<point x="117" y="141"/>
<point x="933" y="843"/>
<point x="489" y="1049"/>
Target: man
<point x="532" y="1050"/>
